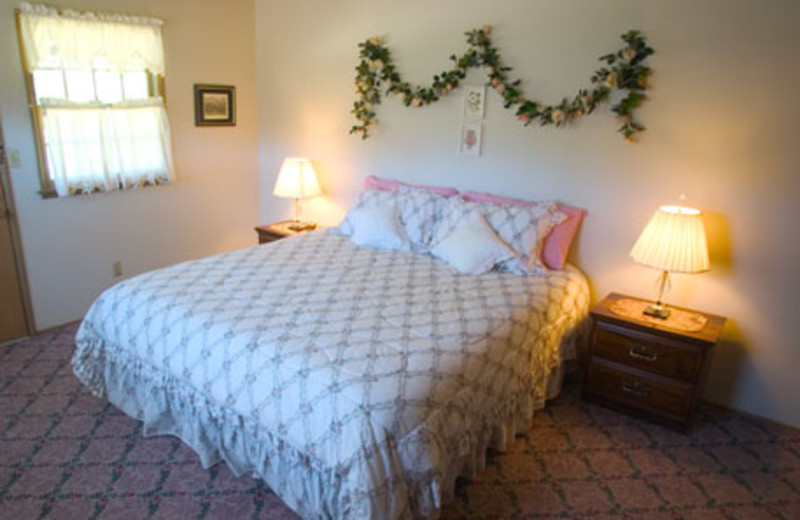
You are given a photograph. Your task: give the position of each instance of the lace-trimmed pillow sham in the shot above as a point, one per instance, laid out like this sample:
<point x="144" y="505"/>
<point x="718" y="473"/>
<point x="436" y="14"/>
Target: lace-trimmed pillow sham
<point x="418" y="211"/>
<point x="523" y="228"/>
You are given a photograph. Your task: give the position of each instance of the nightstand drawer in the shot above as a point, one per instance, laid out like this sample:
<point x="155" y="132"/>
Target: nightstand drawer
<point x="650" y="394"/>
<point x="647" y="352"/>
<point x="265" y="237"/>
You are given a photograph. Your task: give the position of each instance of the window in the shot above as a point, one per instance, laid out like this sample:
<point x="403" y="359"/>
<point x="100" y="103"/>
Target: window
<point x="95" y="83"/>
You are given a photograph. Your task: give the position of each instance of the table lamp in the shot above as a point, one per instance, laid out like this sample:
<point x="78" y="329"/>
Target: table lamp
<point x="673" y="241"/>
<point x="297" y="180"/>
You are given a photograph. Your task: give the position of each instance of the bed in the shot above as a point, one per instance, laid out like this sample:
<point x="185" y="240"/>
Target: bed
<point x="358" y="383"/>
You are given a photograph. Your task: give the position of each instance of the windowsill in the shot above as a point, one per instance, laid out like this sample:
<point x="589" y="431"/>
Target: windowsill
<point x="53" y="194"/>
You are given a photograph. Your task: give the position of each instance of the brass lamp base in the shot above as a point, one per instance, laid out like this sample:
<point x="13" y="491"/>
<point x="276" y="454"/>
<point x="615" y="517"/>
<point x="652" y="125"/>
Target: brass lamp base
<point x="657" y="310"/>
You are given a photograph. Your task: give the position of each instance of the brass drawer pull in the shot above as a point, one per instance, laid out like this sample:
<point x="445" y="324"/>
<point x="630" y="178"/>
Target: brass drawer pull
<point x="643" y="353"/>
<point x="636" y="388"/>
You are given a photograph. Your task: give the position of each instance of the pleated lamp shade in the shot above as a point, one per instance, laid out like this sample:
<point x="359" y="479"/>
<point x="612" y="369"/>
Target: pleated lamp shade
<point x="297" y="179"/>
<point x="674" y="240"/>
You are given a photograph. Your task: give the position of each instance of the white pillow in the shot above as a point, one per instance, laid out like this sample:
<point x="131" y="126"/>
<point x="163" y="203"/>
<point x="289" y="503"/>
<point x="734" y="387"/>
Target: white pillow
<point x="377" y="227"/>
<point x="473" y="246"/>
<point x="418" y="212"/>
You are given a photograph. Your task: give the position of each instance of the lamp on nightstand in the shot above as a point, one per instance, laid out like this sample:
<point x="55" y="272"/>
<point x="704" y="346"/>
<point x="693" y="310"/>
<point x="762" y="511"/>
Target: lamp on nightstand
<point x="674" y="241"/>
<point x="297" y="180"/>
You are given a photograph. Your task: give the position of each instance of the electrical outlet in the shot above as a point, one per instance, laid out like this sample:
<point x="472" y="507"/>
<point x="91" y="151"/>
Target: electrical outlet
<point x="117" y="266"/>
<point x="13" y="158"/>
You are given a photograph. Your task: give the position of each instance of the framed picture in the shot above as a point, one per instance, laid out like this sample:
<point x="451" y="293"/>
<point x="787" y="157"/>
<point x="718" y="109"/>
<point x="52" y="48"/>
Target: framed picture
<point x="470" y="143"/>
<point x="473" y="101"/>
<point x="214" y="105"/>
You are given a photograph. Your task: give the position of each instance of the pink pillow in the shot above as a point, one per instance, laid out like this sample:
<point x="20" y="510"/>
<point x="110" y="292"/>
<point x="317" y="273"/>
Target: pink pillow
<point x="376" y="183"/>
<point x="558" y="241"/>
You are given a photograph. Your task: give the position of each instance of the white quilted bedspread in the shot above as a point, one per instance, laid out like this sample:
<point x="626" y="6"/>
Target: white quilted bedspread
<point x="357" y="382"/>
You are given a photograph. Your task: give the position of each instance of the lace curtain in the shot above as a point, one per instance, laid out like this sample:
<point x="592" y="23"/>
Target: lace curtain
<point x="92" y="76"/>
<point x="116" y="148"/>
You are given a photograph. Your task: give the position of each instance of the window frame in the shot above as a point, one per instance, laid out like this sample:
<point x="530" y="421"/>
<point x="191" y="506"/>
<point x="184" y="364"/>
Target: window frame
<point x="156" y="86"/>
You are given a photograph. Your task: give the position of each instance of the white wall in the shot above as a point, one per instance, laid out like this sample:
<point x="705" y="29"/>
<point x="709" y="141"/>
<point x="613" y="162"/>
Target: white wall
<point x="722" y="128"/>
<point x="70" y="243"/>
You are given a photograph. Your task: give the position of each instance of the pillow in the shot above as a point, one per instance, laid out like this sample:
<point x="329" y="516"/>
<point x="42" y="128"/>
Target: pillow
<point x="558" y="242"/>
<point x="377" y="227"/>
<point x="473" y="247"/>
<point x="376" y="183"/>
<point x="418" y="211"/>
<point x="521" y="227"/>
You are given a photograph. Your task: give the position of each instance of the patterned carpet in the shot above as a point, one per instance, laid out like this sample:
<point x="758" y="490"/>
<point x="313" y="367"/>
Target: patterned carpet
<point x="65" y="454"/>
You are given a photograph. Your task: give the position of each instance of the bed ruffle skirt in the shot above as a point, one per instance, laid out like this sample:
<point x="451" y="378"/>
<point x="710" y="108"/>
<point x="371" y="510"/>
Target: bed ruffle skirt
<point x="402" y="484"/>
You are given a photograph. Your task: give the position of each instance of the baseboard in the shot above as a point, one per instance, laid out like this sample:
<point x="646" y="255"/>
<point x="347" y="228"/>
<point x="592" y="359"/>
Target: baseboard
<point x="749" y="415"/>
<point x="53" y="329"/>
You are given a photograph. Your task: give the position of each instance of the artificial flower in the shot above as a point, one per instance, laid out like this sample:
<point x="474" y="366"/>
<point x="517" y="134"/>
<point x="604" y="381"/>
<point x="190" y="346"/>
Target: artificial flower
<point x="416" y="102"/>
<point x="628" y="54"/>
<point x="557" y="115"/>
<point x="401" y="97"/>
<point x="487" y="29"/>
<point x="611" y="80"/>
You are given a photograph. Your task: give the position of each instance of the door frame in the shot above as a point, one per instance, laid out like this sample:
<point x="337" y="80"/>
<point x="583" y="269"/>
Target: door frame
<point x="16" y="238"/>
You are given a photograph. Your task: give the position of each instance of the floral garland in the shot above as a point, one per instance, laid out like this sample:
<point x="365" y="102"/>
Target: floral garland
<point x="625" y="70"/>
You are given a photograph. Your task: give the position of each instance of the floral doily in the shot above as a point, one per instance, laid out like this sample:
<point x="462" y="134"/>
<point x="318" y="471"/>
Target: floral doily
<point x="684" y="321"/>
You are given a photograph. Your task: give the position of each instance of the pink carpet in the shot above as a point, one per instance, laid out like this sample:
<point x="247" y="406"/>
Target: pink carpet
<point x="67" y="455"/>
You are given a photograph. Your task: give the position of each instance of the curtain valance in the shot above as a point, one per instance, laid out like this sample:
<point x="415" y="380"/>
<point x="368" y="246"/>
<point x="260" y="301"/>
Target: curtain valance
<point x="84" y="40"/>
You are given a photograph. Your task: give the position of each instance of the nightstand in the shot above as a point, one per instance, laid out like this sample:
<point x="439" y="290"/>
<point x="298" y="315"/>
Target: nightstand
<point x="277" y="230"/>
<point x="648" y="369"/>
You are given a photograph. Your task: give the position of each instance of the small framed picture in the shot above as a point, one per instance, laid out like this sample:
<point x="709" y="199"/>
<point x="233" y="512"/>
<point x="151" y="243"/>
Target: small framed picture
<point x="214" y="105"/>
<point x="470" y="143"/>
<point x="474" y="97"/>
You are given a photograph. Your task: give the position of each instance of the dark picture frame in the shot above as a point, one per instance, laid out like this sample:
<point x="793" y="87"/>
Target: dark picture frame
<point x="214" y="105"/>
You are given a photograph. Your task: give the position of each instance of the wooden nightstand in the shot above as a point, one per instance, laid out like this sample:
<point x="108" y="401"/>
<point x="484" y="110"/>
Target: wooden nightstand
<point x="278" y="230"/>
<point x="647" y="369"/>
